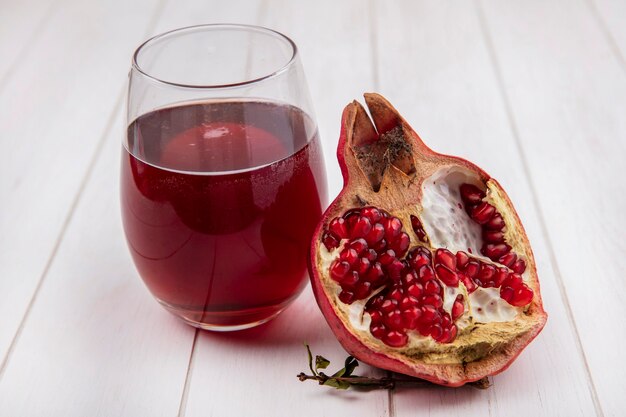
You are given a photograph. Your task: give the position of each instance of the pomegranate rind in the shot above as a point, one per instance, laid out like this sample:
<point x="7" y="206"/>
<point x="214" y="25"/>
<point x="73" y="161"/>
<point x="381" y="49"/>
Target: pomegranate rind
<point x="489" y="348"/>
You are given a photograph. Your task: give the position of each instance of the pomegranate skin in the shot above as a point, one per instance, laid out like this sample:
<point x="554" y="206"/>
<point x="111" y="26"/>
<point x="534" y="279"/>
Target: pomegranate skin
<point x="392" y="192"/>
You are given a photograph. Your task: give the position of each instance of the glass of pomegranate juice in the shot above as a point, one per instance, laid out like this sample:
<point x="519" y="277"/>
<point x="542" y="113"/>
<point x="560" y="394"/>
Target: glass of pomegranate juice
<point x="222" y="180"/>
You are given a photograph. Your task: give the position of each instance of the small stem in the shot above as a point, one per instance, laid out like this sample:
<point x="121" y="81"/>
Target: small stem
<point x="384" y="383"/>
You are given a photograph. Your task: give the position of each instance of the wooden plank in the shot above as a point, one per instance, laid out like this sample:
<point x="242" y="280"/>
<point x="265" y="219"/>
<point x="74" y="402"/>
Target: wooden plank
<point x="610" y="16"/>
<point x="54" y="110"/>
<point x="96" y="343"/>
<point x="21" y="24"/>
<point x="264" y="362"/>
<point x="567" y="92"/>
<point x="435" y="67"/>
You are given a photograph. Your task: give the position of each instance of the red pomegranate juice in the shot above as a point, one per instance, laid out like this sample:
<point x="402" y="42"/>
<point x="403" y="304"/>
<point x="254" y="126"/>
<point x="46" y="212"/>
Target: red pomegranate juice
<point x="219" y="202"/>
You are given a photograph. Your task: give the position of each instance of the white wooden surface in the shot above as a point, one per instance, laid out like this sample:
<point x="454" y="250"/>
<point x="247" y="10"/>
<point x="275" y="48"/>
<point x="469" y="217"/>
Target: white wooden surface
<point x="533" y="91"/>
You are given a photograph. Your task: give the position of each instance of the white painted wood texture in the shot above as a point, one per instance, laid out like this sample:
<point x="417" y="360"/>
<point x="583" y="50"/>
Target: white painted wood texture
<point x="567" y="93"/>
<point x="535" y="92"/>
<point x="56" y="104"/>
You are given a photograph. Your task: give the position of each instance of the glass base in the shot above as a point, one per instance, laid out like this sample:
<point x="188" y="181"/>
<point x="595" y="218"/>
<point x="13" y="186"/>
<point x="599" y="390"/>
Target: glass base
<point x="226" y="321"/>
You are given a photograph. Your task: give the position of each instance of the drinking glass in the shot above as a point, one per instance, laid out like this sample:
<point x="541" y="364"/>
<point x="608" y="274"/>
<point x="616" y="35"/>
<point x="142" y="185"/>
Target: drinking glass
<point x="222" y="174"/>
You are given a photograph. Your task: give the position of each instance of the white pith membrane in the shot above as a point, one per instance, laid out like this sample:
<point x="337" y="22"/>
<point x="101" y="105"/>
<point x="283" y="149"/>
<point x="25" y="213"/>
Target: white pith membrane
<point x="448" y="226"/>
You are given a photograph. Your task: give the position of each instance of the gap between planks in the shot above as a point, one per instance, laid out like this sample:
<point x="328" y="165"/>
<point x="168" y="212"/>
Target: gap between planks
<point x="535" y="201"/>
<point x="182" y="407"/>
<point x="77" y="198"/>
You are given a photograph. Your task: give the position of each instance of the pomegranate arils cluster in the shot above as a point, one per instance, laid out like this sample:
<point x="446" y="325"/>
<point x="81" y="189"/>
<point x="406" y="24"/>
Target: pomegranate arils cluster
<point x="492" y="223"/>
<point x="415" y="302"/>
<point x="374" y="242"/>
<point x="372" y="256"/>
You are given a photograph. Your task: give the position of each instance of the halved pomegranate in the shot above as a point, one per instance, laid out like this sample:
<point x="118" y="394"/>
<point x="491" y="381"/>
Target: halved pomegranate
<point x="421" y="265"/>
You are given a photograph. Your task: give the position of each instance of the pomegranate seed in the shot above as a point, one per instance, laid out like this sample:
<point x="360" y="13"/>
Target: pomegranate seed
<point x="408" y="302"/>
<point x="472" y="268"/>
<point x="418" y="257"/>
<point x="375" y="273"/>
<point x="363" y="266"/>
<point x="486" y="272"/>
<point x="468" y="282"/>
<point x="409" y="279"/>
<point x="330" y="241"/>
<point x="395" y="338"/>
<point x="376" y="234"/>
<point x="396" y="294"/>
<point x="426" y="273"/>
<point x="393" y="227"/>
<point x="462" y="259"/>
<point x="361" y="228"/>
<point x="393" y="320"/>
<point x="449" y="334"/>
<point x="378" y="330"/>
<point x="349" y="255"/>
<point x="471" y="194"/>
<point x="445" y="336"/>
<point x="423" y="328"/>
<point x="376" y="316"/>
<point x="388" y="305"/>
<point x="458" y="307"/>
<point x="507" y="293"/>
<point x="432" y="287"/>
<point x="416" y="290"/>
<point x="375" y="302"/>
<point x="410" y="317"/>
<point x="434" y="300"/>
<point x="349" y="280"/>
<point x="446" y="320"/>
<point x="359" y="245"/>
<point x="338" y="227"/>
<point x="508" y="259"/>
<point x="429" y="314"/>
<point x="495" y="251"/>
<point x="448" y="276"/>
<point x="483" y="212"/>
<point x="387" y="257"/>
<point x="519" y="266"/>
<point x="500" y="277"/>
<point x="394" y="270"/>
<point x="339" y="269"/>
<point x="496" y="223"/>
<point x="362" y="290"/>
<point x="380" y="246"/>
<point x="372" y="213"/>
<point x="418" y="229"/>
<point x="346" y="297"/>
<point x="493" y="236"/>
<point x="351" y="217"/>
<point x="371" y="255"/>
<point x="522" y="296"/>
<point x="445" y="257"/>
<point x="436" y="332"/>
<point x="513" y="281"/>
<point x="400" y="244"/>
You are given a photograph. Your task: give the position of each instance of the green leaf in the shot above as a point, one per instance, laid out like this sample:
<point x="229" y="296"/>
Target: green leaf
<point x="350" y="366"/>
<point x="337" y="384"/>
<point x="339" y="373"/>
<point x="308" y="349"/>
<point x="321" y="362"/>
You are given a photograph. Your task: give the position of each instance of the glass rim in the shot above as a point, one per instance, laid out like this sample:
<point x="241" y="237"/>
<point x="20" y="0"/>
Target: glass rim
<point x="246" y="27"/>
